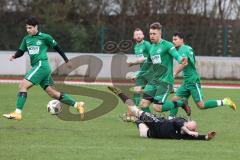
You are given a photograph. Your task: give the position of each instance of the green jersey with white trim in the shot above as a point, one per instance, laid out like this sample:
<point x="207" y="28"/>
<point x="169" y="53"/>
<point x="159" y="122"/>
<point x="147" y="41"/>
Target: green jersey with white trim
<point x="37" y="46"/>
<point x="190" y="73"/>
<point x="163" y="53"/>
<point x="141" y="50"/>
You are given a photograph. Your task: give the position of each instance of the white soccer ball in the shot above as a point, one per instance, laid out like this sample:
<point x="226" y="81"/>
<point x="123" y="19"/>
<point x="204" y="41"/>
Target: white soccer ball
<point x="54" y="107"/>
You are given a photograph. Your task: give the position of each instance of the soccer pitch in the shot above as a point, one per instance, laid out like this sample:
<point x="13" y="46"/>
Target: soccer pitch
<point x="43" y="136"/>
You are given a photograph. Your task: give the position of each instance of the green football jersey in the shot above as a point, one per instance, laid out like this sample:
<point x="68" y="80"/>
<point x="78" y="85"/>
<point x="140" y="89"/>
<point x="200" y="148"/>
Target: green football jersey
<point x="141" y="50"/>
<point x="163" y="53"/>
<point x="190" y="73"/>
<point x="37" y="46"/>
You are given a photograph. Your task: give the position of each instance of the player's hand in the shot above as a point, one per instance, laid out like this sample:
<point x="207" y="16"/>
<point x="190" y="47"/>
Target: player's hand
<point x="133" y="78"/>
<point x="211" y="135"/>
<point x="69" y="65"/>
<point x="174" y="75"/>
<point x="11" y="58"/>
<point x="184" y="61"/>
<point x="130" y="64"/>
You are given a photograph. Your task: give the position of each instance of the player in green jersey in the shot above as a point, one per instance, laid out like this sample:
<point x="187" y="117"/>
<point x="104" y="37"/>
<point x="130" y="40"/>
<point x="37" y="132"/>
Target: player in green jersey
<point x="141" y="50"/>
<point x="191" y="80"/>
<point x="36" y="44"/>
<point x="158" y="89"/>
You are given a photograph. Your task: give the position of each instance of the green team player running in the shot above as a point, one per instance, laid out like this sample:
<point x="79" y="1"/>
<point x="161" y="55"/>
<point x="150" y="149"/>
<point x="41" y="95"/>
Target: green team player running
<point x="158" y="89"/>
<point x="36" y="44"/>
<point x="191" y="80"/>
<point x="141" y="50"/>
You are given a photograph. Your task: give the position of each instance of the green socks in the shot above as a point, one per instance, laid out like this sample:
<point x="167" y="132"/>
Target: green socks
<point x="66" y="99"/>
<point x="167" y="106"/>
<point x="213" y="104"/>
<point x="137" y="98"/>
<point x="21" y="99"/>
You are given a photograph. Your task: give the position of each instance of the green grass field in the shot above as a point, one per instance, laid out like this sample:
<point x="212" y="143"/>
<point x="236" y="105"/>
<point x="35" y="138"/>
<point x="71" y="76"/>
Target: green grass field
<point x="43" y="136"/>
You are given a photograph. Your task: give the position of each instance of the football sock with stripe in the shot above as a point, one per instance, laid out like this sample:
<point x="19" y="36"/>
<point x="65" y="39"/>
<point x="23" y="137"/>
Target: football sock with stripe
<point x="21" y="100"/>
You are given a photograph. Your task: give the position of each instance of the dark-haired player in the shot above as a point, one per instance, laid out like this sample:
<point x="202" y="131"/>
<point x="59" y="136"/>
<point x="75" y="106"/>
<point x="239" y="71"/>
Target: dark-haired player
<point x="191" y="80"/>
<point x="36" y="44"/>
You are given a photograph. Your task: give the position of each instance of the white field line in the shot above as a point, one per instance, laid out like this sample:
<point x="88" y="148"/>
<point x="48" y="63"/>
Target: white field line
<point x="69" y="82"/>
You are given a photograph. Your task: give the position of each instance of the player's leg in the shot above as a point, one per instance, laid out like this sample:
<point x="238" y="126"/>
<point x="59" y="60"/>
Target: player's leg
<point x="197" y="95"/>
<point x="181" y="92"/>
<point x="162" y="105"/>
<point x="148" y="97"/>
<point x="136" y="98"/>
<point x="135" y="111"/>
<point x="137" y="95"/>
<point x="47" y="83"/>
<point x="21" y="99"/>
<point x="140" y="85"/>
<point x="33" y="77"/>
<point x="147" y="118"/>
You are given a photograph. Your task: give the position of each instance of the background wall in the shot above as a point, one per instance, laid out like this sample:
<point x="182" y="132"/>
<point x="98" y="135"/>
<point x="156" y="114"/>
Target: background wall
<point x="115" y="64"/>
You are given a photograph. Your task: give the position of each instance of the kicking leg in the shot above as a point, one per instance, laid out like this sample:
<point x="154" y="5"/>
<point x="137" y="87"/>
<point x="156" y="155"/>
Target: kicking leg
<point x="126" y="100"/>
<point x="66" y="99"/>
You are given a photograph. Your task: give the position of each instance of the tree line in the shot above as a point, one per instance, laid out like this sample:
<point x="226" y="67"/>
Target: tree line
<point x="210" y="26"/>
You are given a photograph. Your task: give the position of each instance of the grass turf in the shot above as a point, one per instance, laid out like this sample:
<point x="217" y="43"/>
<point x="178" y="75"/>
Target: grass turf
<point x="43" y="136"/>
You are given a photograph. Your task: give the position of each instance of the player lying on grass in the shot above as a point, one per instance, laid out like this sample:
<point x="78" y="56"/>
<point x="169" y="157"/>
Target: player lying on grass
<point x="36" y="44"/>
<point x="150" y="126"/>
<point x="191" y="80"/>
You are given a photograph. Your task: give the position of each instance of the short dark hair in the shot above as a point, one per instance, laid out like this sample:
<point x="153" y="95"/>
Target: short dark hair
<point x="179" y="34"/>
<point x="156" y="25"/>
<point x="137" y="29"/>
<point x="32" y="21"/>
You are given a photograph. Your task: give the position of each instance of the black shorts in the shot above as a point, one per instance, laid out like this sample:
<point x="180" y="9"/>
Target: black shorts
<point x="153" y="122"/>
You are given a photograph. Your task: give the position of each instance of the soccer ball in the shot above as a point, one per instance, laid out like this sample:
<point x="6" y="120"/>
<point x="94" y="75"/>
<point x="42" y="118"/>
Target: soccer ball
<point x="54" y="107"/>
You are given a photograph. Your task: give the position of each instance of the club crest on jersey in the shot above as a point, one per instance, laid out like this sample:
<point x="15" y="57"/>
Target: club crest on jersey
<point x="39" y="42"/>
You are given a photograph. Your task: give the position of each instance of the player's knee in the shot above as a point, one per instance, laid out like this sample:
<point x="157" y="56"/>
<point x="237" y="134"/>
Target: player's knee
<point x="144" y="103"/>
<point x="22" y="86"/>
<point x="201" y="105"/>
<point x="138" y="89"/>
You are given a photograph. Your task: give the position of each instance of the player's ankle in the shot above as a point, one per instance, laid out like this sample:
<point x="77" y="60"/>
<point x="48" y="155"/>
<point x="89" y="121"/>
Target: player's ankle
<point x="19" y="111"/>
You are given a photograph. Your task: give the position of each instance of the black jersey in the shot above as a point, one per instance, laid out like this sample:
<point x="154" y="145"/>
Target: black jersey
<point x="170" y="129"/>
<point x="160" y="127"/>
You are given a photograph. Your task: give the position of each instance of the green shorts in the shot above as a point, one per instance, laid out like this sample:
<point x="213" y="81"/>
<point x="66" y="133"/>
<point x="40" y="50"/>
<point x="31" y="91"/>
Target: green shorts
<point x="40" y="74"/>
<point x="186" y="90"/>
<point x="157" y="93"/>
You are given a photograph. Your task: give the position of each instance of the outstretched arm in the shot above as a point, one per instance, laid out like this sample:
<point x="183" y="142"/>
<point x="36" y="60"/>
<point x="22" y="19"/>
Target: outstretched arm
<point x="18" y="54"/>
<point x="138" y="61"/>
<point x="207" y="137"/>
